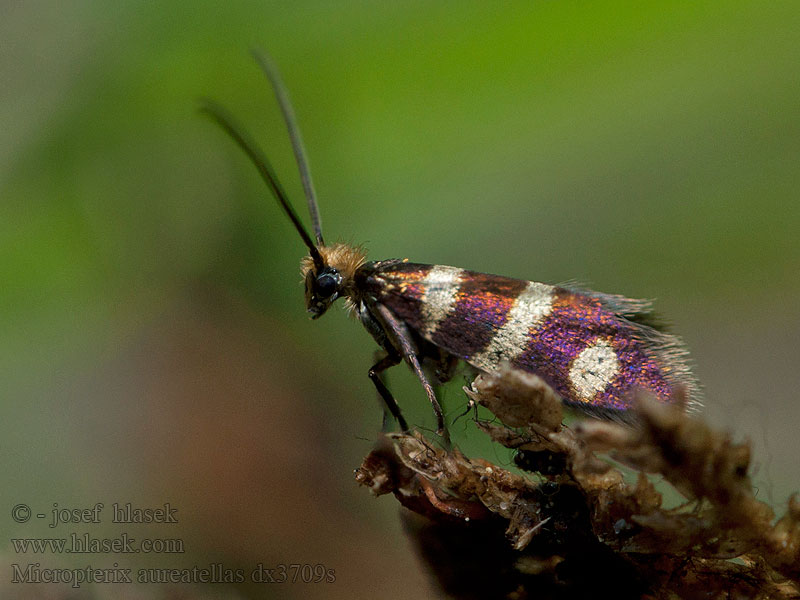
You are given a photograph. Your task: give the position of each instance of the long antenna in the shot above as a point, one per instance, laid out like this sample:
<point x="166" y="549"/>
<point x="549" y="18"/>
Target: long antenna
<point x="281" y="93"/>
<point x="225" y="120"/>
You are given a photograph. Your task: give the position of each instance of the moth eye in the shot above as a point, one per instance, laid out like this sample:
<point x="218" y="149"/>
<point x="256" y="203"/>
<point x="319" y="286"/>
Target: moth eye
<point x="326" y="285"/>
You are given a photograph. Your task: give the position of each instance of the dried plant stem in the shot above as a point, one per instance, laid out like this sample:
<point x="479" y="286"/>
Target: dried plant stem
<point x="576" y="527"/>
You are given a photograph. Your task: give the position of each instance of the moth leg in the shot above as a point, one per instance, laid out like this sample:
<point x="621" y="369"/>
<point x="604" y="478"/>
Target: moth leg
<point x="400" y="334"/>
<point x="445" y="366"/>
<point x="386" y="416"/>
<point x="390" y="360"/>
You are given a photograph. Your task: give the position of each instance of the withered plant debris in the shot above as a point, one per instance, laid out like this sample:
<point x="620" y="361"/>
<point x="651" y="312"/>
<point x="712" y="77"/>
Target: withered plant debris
<point x="573" y="526"/>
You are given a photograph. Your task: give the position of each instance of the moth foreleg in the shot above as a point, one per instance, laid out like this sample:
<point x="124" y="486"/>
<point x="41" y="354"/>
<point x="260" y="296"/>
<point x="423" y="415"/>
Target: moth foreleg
<point x="400" y="334"/>
<point x="390" y="360"/>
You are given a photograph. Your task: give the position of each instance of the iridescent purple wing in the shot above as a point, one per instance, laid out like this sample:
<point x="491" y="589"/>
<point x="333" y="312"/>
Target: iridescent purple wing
<point x="580" y="343"/>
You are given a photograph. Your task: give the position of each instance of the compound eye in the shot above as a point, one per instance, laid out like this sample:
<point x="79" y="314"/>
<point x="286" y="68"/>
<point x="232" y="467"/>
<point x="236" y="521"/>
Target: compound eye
<point x="326" y="285"/>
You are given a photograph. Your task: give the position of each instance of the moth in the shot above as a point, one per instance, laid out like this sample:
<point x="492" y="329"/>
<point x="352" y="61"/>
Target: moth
<point x="595" y="350"/>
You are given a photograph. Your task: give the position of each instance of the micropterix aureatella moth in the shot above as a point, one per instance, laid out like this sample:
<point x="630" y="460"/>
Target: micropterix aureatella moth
<point x="594" y="349"/>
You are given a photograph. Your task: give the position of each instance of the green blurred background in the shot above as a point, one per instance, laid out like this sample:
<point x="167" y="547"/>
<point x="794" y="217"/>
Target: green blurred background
<point x="154" y="346"/>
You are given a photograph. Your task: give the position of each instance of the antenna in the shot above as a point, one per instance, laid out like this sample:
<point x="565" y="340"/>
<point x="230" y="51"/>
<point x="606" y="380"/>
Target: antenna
<point x="225" y="120"/>
<point x="282" y="94"/>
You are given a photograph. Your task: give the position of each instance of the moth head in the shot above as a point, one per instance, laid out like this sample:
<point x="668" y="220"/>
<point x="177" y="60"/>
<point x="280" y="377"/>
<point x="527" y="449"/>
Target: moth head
<point x="332" y="277"/>
<point x="321" y="290"/>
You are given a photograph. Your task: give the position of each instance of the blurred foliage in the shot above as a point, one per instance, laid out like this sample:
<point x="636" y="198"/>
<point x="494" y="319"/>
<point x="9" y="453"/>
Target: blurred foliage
<point x="646" y="149"/>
